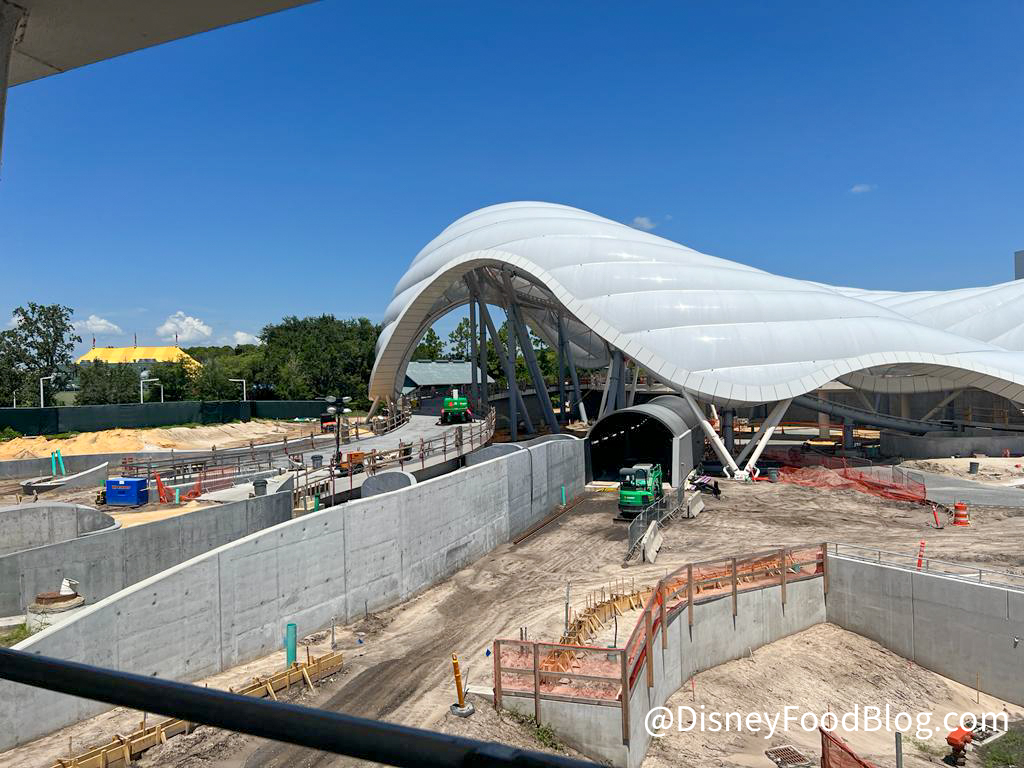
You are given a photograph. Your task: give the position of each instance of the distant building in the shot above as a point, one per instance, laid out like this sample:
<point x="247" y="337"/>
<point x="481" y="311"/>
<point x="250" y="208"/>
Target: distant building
<point x="435" y="377"/>
<point x="138" y="356"/>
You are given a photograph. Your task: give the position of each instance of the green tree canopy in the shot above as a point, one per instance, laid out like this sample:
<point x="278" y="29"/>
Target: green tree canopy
<point x="100" y="383"/>
<point x="430" y="347"/>
<point x="318" y="356"/>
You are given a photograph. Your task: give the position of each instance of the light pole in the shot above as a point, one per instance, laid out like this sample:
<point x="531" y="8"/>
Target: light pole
<point x="143" y="382"/>
<point x="336" y="413"/>
<point x="243" y="386"/>
<point x="41" y="380"/>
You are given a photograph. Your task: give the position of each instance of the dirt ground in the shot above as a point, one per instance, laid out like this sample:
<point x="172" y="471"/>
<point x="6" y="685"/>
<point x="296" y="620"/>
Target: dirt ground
<point x="822" y="669"/>
<point x="401" y="671"/>
<point x="991" y="469"/>
<point x="179" y="438"/>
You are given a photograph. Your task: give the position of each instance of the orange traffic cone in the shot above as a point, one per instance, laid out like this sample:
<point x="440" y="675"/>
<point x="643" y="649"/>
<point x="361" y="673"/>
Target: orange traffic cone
<point x="920" y="556"/>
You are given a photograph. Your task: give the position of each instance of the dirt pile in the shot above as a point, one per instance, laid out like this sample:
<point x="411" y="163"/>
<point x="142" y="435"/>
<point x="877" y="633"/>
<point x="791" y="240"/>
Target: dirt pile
<point x="179" y="438"/>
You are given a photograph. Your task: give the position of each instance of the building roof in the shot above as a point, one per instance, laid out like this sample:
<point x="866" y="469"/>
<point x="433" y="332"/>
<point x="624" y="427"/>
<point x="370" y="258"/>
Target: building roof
<point x="138" y="355"/>
<point x="720" y="330"/>
<point x="439" y="373"/>
<point x="58" y="35"/>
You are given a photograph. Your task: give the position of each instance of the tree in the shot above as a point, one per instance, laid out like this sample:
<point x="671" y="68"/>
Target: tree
<point x="46" y="337"/>
<point x="211" y="383"/>
<point x="175" y="378"/>
<point x="429" y="348"/>
<point x="290" y="384"/>
<point x="460" y="341"/>
<point x="327" y="355"/>
<point x="100" y="383"/>
<point x="11" y="367"/>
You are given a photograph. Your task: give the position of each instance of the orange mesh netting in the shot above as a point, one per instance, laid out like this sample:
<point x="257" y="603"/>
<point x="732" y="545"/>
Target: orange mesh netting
<point x="836" y="753"/>
<point x="883" y="482"/>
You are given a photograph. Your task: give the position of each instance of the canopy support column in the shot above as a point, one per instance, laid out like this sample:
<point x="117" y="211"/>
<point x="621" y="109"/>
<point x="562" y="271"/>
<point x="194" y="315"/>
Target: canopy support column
<point x="573" y="376"/>
<point x="474" y="387"/>
<point x="764" y="434"/>
<point x="713" y="438"/>
<point x="515" y="397"/>
<point x="539" y="385"/>
<point x="563" y="409"/>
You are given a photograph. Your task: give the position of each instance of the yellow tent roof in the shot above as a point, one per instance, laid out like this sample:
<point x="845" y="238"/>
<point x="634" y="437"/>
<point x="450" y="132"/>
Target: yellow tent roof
<point x="137" y="355"/>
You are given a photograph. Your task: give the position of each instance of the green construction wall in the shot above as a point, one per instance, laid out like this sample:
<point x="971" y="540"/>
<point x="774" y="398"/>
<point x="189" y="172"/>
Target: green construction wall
<point x="93" y="418"/>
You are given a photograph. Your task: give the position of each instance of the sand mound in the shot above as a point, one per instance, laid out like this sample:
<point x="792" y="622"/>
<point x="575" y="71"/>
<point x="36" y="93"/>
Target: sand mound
<point x="178" y="438"/>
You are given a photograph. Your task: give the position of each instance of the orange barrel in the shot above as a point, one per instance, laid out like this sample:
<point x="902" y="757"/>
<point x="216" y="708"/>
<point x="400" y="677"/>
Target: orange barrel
<point x="960" y="516"/>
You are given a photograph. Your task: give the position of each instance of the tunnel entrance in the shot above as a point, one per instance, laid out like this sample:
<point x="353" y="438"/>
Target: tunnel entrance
<point x="625" y="438"/>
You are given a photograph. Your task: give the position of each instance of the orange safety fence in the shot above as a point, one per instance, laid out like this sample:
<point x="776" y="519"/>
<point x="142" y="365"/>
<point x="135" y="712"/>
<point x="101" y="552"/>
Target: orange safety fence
<point x="883" y="482"/>
<point x="587" y="672"/>
<point x="836" y="753"/>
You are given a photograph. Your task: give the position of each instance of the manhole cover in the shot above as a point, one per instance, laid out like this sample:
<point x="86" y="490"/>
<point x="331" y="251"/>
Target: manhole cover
<point x="787" y="757"/>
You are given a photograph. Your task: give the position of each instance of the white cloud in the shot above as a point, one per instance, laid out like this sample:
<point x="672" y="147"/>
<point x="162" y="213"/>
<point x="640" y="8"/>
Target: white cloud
<point x="645" y="223"/>
<point x="860" y="189"/>
<point x="241" y="337"/>
<point x="100" y="325"/>
<point x="187" y="328"/>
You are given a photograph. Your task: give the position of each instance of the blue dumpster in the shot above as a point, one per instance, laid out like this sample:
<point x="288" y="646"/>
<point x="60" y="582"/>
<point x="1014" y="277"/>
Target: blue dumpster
<point x="127" y="491"/>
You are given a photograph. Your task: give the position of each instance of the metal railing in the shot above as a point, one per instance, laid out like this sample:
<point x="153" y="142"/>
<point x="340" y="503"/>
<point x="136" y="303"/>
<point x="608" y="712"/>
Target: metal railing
<point x="657" y="511"/>
<point x="914" y="562"/>
<point x="413" y="455"/>
<point x="254" y="458"/>
<point x="320" y="729"/>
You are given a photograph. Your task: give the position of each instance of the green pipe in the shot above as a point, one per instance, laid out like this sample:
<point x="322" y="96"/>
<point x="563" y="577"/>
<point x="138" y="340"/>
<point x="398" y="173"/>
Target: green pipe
<point x="563" y="495"/>
<point x="289" y="644"/>
<point x="316" y="502"/>
<point x="53" y="463"/>
<point x="177" y="495"/>
<point x="60" y="460"/>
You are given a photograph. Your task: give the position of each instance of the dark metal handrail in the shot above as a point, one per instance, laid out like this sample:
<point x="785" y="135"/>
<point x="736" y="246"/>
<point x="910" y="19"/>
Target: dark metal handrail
<point x="303" y="726"/>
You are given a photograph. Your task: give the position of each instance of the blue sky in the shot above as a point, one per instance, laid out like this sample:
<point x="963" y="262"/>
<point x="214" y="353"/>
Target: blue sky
<point x="296" y="163"/>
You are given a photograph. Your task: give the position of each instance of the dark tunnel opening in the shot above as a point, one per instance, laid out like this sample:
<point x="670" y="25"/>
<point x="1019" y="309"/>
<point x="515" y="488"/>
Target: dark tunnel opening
<point x="627" y="438"/>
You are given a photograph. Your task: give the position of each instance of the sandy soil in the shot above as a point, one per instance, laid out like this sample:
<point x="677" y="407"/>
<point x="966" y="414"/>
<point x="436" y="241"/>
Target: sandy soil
<point x="402" y="669"/>
<point x="992" y="469"/>
<point x="823" y="669"/>
<point x="178" y="438"/>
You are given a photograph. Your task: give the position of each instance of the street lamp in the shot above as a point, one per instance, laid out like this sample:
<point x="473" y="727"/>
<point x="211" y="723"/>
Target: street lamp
<point x="336" y="412"/>
<point x="143" y="382"/>
<point x="243" y="386"/>
<point x="41" y="380"/>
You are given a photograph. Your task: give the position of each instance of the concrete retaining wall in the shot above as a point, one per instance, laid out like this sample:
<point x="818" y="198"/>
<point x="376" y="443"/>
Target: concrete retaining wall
<point x="972" y="633"/>
<point x="107" y="562"/>
<point x="715" y="638"/>
<point x="37" y="524"/>
<point x="937" y="445"/>
<point x="230" y="605"/>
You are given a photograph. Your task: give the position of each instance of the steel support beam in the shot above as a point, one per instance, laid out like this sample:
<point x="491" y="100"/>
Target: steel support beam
<point x="942" y="403"/>
<point x="636" y="381"/>
<point x="715" y="440"/>
<point x="562" y="405"/>
<point x="764" y="434"/>
<point x="474" y="387"/>
<point x="515" y="397"/>
<point x="728" y="436"/>
<point x="571" y="363"/>
<point x="485" y="389"/>
<point x="539" y="385"/>
<point x="607" y="386"/>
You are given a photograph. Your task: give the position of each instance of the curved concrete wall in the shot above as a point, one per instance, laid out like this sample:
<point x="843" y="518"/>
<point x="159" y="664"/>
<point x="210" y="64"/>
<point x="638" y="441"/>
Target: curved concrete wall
<point x="36" y="524"/>
<point x="230" y="605"/>
<point x="111" y="560"/>
<point x="386" y="482"/>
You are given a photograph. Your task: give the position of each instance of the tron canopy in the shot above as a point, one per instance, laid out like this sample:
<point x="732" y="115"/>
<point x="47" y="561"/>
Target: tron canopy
<point x="715" y="329"/>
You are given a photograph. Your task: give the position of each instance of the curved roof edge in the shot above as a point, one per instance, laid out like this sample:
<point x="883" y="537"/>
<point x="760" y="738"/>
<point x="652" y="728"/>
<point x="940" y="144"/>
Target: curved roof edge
<point x="723" y="332"/>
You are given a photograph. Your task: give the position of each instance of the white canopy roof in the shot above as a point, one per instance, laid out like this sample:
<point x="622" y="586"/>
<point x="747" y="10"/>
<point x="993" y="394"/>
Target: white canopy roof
<point x="723" y="331"/>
